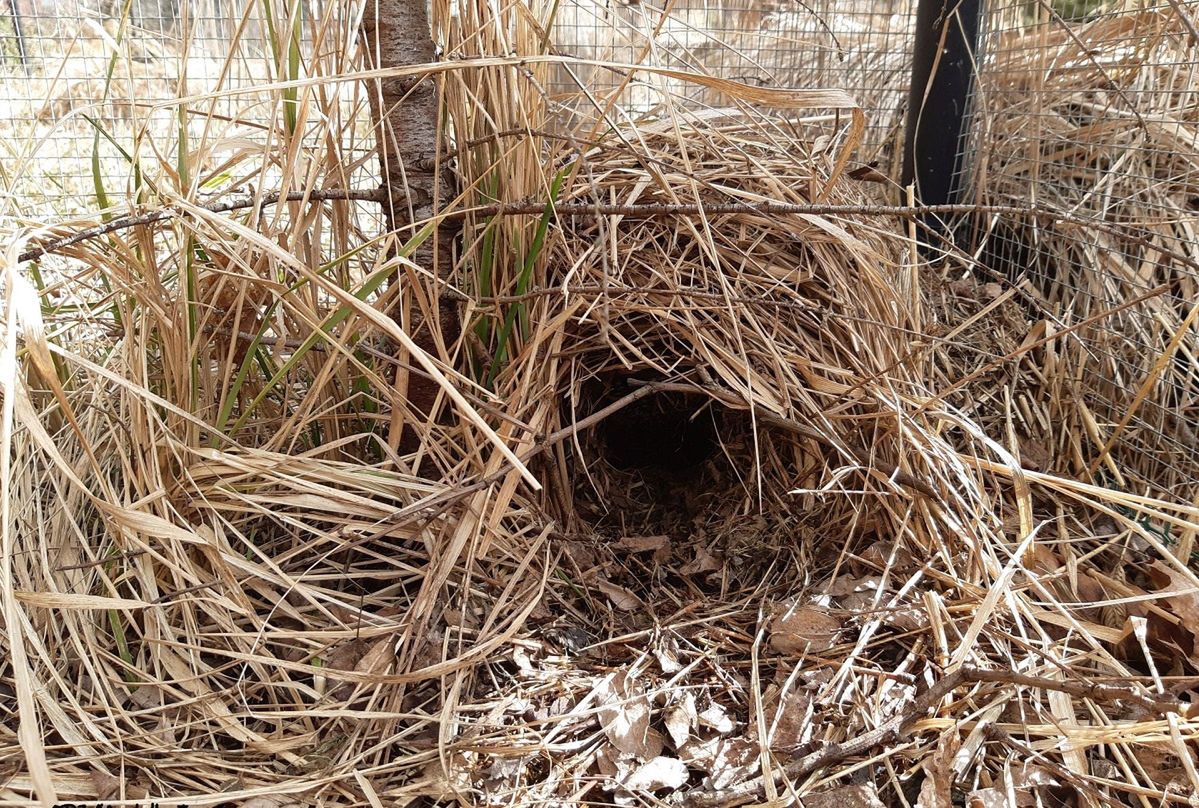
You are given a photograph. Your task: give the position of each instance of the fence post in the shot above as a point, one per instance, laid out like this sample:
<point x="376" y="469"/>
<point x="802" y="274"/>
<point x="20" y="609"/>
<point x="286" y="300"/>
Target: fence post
<point x="945" y="50"/>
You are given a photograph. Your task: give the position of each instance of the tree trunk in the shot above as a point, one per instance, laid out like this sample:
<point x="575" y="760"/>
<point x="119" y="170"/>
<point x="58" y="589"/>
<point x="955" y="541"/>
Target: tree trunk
<point x="405" y="110"/>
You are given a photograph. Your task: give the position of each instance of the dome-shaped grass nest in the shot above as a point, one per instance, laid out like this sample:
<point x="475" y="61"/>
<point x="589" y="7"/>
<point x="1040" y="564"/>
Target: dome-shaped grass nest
<point x="725" y="365"/>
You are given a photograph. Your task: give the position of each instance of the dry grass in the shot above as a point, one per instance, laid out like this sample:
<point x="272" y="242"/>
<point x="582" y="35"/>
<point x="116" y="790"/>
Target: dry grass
<point x="222" y="582"/>
<point x="1100" y="120"/>
<point x="829" y="43"/>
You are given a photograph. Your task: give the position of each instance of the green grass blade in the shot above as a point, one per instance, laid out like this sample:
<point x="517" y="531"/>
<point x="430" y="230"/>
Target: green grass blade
<point x="518" y="311"/>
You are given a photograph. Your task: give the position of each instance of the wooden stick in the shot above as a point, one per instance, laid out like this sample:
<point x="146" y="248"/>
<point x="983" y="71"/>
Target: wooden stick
<point x="899" y="726"/>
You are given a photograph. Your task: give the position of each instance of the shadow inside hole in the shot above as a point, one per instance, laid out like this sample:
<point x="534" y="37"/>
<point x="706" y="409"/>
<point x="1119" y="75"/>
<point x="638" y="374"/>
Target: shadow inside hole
<point x="668" y="434"/>
<point x="657" y="465"/>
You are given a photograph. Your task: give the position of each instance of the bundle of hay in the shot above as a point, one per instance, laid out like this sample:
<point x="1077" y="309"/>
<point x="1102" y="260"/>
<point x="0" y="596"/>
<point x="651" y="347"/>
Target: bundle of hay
<point x="778" y="347"/>
<point x="766" y="559"/>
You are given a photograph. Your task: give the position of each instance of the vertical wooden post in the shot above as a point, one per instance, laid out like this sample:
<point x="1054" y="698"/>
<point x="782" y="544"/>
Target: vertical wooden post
<point x="405" y="109"/>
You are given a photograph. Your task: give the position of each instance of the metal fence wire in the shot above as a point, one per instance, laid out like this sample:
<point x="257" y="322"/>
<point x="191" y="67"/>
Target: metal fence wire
<point x="1092" y="110"/>
<point x="89" y="86"/>
<point x="1085" y="109"/>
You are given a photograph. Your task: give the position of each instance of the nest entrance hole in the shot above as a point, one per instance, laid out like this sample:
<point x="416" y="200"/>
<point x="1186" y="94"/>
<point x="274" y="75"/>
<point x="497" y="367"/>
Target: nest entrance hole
<point x="666" y="433"/>
<point x="657" y="464"/>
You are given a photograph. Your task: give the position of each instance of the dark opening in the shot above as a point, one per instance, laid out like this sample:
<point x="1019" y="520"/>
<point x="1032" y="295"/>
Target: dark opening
<point x="670" y="434"/>
<point x="654" y="466"/>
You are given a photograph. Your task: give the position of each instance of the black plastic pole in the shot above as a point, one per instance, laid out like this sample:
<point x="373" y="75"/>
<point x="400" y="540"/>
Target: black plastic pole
<point x="945" y="54"/>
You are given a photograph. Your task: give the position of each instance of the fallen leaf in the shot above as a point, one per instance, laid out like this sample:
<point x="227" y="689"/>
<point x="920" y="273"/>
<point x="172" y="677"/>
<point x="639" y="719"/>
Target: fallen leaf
<point x="1035" y="455"/>
<point x="860" y="796"/>
<point x="1162" y="764"/>
<point x="988" y="798"/>
<point x="658" y="773"/>
<point x="788" y="730"/>
<point x="1025" y="784"/>
<point x="605" y="761"/>
<point x="680" y="720"/>
<point x="667" y="659"/>
<point x="623" y="599"/>
<point x="346" y="655"/>
<point x="645" y="544"/>
<point x="906" y="618"/>
<point x="717" y="718"/>
<point x="107" y="786"/>
<point x="1185" y="604"/>
<point x="439" y="784"/>
<point x="804" y="629"/>
<point x="937" y="789"/>
<point x="726" y="761"/>
<point x="376" y="660"/>
<point x="846" y="585"/>
<point x="702" y="563"/>
<point x="507" y="773"/>
<point x="624" y="715"/>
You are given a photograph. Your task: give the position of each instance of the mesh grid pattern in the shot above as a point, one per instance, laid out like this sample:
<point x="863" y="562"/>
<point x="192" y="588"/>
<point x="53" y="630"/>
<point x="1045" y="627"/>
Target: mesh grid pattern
<point x="88" y="91"/>
<point x="863" y="48"/>
<point x="1092" y="110"/>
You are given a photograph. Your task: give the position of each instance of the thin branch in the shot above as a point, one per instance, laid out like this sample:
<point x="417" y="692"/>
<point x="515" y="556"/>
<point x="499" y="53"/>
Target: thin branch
<point x="636" y="211"/>
<point x="898" y="727"/>
<point x="236" y="202"/>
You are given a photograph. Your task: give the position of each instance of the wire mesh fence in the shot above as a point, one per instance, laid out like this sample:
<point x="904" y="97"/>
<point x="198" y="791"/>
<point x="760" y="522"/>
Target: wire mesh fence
<point x="1085" y="109"/>
<point x="99" y="97"/>
<point x="1092" y="110"/>
<point x="862" y="48"/>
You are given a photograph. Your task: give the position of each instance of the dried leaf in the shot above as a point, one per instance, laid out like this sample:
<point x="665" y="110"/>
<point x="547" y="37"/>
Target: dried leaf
<point x="906" y="618"/>
<point x="937" y="789"/>
<point x="507" y="773"/>
<point x="788" y="730"/>
<point x="107" y="786"/>
<point x="860" y="796"/>
<point x="1162" y="764"/>
<point x="703" y="562"/>
<point x="1025" y="783"/>
<point x="668" y="661"/>
<point x="145" y="696"/>
<point x="717" y="718"/>
<point x="623" y="599"/>
<point x="988" y="798"/>
<point x="440" y="785"/>
<point x="845" y="585"/>
<point x="726" y="761"/>
<point x="680" y="720"/>
<point x="378" y="658"/>
<point x="345" y="656"/>
<point x="658" y="773"/>
<point x="804" y="629"/>
<point x="645" y="544"/>
<point x="625" y="716"/>
<point x="1185" y="603"/>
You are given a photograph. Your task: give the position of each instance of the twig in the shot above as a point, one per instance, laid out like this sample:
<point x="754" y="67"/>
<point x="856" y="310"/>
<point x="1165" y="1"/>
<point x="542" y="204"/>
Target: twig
<point x="899" y="726"/>
<point x="236" y="202"/>
<point x="637" y="211"/>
